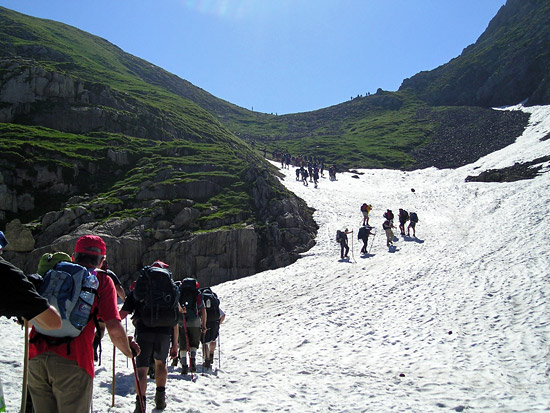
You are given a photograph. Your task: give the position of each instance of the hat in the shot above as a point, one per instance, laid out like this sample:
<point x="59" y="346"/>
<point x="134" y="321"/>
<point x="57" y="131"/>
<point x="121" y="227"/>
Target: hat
<point x="90" y="244"/>
<point x="48" y="261"/>
<point x="159" y="264"/>
<point x="3" y="240"/>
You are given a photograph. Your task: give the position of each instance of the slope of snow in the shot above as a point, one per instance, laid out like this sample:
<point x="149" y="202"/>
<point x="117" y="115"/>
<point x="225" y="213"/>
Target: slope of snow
<point x="456" y="319"/>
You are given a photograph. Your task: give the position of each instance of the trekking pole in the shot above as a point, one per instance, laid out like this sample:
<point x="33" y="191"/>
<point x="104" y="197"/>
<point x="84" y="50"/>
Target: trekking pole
<point x="25" y="368"/>
<point x="138" y="388"/>
<point x="114" y="355"/>
<point x="352" y="254"/>
<point x="126" y="322"/>
<point x="372" y="242"/>
<point x="187" y="344"/>
<point x="219" y="351"/>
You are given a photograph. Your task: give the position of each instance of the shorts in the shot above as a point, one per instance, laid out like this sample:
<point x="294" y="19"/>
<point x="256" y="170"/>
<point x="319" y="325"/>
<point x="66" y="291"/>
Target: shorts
<point x="212" y="332"/>
<point x="152" y="344"/>
<point x="193" y="336"/>
<point x="412" y="224"/>
<point x="365" y="214"/>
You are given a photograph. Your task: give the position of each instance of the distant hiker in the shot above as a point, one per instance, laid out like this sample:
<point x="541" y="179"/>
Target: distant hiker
<point x="19" y="298"/>
<point x="298" y="173"/>
<point x="214" y="317"/>
<point x="193" y="324"/>
<point x="304" y="176"/>
<point x="61" y="368"/>
<point x="100" y="331"/>
<point x="365" y="210"/>
<point x="316" y="176"/>
<point x="154" y="305"/>
<point x="342" y="239"/>
<point x="403" y="218"/>
<point x="387" y="227"/>
<point x="363" y="235"/>
<point x="332" y="172"/>
<point x="413" y="218"/>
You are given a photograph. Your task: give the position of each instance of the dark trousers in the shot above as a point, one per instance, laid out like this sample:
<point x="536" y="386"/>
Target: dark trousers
<point x="344" y="249"/>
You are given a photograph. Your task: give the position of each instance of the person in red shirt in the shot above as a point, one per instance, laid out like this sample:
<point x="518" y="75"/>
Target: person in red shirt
<point x="60" y="372"/>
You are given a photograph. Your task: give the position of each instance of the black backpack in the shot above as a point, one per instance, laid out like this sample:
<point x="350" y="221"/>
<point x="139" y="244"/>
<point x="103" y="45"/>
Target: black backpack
<point x="338" y="236"/>
<point x="157" y="296"/>
<point x="413" y="217"/>
<point x="188" y="297"/>
<point x="211" y="304"/>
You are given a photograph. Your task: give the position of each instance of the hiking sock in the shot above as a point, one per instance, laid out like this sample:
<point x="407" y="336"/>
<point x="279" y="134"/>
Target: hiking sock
<point x="192" y="365"/>
<point x="160" y="398"/>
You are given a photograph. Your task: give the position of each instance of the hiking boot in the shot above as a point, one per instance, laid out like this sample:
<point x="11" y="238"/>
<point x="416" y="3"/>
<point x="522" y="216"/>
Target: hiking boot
<point x="192" y="365"/>
<point x="207" y="363"/>
<point x="175" y="361"/>
<point x="160" y="399"/>
<point x="184" y="369"/>
<point x="138" y="405"/>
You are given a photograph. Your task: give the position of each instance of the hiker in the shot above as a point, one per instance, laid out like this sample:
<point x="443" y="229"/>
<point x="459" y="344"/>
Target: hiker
<point x="153" y="328"/>
<point x="316" y="176"/>
<point x="214" y="317"/>
<point x="19" y="298"/>
<point x="413" y="219"/>
<point x="389" y="215"/>
<point x="100" y="331"/>
<point x="193" y="324"/>
<point x="61" y="369"/>
<point x="387" y="227"/>
<point x="343" y="240"/>
<point x="298" y="173"/>
<point x="365" y="210"/>
<point x="363" y="235"/>
<point x="403" y="218"/>
<point x="304" y="176"/>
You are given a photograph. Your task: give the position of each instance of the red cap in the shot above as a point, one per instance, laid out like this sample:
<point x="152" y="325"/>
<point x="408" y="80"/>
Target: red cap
<point x="90" y="244"/>
<point x="159" y="264"/>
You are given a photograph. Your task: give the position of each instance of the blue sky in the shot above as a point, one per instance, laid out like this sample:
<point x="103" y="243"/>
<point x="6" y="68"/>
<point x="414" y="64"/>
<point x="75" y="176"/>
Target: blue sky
<point x="281" y="56"/>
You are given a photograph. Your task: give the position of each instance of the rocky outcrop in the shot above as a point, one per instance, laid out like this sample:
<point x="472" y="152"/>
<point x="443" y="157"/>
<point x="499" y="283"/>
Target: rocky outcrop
<point x="516" y="172"/>
<point x="72" y="105"/>
<point x="174" y="232"/>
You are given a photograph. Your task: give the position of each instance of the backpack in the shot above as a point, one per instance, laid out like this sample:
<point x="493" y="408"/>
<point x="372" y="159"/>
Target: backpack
<point x="362" y="233"/>
<point x="364" y="207"/>
<point x="71" y="289"/>
<point x="413" y="217"/>
<point x="404" y="215"/>
<point x="157" y="297"/>
<point x="388" y="215"/>
<point x="338" y="236"/>
<point x="188" y="297"/>
<point x="211" y="304"/>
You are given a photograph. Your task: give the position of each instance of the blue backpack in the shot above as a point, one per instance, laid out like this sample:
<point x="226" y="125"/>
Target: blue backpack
<point x="71" y="289"/>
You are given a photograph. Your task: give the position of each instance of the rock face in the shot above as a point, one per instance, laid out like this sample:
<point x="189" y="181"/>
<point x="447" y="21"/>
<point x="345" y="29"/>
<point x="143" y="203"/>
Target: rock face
<point x="75" y="106"/>
<point x="174" y="234"/>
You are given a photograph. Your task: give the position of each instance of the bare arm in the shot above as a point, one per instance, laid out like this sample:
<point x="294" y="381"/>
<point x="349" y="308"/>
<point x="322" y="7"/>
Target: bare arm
<point x="48" y="319"/>
<point x="119" y="338"/>
<point x="120" y="292"/>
